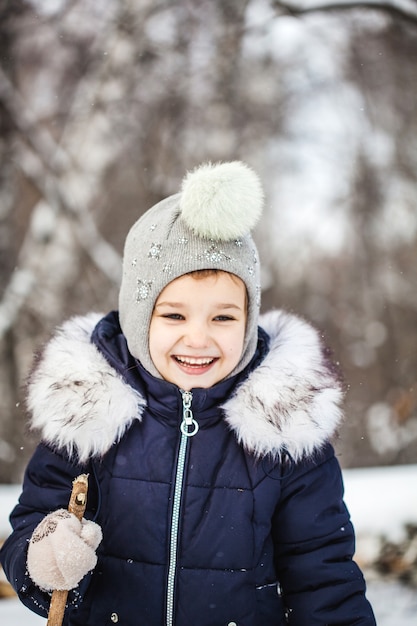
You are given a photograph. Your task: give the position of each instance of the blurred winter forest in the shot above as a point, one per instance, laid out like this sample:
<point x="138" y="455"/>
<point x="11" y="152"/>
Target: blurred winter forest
<point x="106" y="103"/>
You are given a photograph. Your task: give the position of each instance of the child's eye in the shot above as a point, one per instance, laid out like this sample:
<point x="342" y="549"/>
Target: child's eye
<point x="173" y="316"/>
<point x="223" y="318"/>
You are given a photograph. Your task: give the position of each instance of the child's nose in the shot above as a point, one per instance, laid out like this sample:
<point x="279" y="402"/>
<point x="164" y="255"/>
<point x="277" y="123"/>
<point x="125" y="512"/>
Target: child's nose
<point x="196" y="336"/>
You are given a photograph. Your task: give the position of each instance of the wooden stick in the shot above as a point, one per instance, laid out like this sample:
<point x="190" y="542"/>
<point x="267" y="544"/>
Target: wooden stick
<point x="77" y="504"/>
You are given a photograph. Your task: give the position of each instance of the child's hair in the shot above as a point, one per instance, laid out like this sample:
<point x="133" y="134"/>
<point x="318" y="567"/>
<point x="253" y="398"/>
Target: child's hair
<point x="205" y="273"/>
<point x="200" y="274"/>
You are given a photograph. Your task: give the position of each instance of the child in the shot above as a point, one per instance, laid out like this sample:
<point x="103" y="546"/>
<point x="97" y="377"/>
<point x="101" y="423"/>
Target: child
<point x="215" y="497"/>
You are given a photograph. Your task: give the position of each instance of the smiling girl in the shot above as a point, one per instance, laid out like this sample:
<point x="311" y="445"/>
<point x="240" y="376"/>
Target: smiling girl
<point x="197" y="328"/>
<point x="215" y="495"/>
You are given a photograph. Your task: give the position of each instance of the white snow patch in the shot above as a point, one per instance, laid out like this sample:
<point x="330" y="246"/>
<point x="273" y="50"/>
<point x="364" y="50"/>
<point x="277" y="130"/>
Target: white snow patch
<point x="13" y="613"/>
<point x="382" y="500"/>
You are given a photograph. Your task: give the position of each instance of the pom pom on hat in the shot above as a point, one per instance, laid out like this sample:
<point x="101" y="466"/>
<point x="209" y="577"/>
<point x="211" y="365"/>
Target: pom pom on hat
<point x="221" y="201"/>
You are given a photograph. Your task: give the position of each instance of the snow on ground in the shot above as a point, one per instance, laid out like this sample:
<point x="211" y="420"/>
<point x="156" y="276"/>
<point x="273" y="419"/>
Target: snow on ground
<point x="13" y="613"/>
<point x="381" y="501"/>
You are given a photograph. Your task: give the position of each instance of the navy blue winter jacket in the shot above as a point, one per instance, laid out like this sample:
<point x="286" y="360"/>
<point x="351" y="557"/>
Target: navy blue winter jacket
<point x="241" y="524"/>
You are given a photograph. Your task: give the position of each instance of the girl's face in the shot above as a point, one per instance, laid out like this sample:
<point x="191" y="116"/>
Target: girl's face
<point x="197" y="329"/>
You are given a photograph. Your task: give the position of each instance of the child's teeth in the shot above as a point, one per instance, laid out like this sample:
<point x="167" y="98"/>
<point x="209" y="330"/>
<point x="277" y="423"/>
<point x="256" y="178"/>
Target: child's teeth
<point x="194" y="361"/>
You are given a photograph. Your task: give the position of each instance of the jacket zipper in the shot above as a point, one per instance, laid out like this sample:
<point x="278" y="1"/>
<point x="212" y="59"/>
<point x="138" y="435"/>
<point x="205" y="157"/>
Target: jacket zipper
<point x="189" y="428"/>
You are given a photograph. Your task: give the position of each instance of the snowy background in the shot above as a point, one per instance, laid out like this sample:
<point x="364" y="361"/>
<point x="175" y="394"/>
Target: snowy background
<point x="107" y="104"/>
<point x="382" y="501"/>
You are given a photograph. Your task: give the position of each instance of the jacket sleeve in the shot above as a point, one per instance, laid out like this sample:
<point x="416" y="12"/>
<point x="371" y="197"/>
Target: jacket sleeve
<point x="46" y="487"/>
<point x="314" y="546"/>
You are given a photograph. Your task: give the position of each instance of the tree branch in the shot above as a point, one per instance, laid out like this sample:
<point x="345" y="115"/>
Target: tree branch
<point x="385" y="7"/>
<point x="45" y="163"/>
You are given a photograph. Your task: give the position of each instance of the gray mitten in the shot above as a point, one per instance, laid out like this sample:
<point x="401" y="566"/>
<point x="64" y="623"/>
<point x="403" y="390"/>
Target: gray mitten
<point x="62" y="550"/>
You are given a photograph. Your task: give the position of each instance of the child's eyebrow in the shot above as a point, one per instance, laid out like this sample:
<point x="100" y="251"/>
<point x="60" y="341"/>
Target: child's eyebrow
<point x="226" y="305"/>
<point x="174" y="305"/>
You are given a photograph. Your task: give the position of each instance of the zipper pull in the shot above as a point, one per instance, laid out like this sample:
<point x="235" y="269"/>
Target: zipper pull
<point x="188" y="420"/>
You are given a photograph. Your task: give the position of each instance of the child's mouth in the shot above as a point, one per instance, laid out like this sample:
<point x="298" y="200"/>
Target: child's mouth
<point x="196" y="365"/>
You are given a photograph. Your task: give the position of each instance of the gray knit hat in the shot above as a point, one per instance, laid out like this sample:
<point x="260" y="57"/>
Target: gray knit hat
<point x="205" y="226"/>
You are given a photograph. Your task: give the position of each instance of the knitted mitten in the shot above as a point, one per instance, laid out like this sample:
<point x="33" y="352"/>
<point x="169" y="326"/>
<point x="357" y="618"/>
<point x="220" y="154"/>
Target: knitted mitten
<point x="62" y="550"/>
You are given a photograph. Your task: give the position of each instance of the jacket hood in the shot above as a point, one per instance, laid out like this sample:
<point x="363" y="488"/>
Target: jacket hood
<point x="289" y="403"/>
<point x="292" y="401"/>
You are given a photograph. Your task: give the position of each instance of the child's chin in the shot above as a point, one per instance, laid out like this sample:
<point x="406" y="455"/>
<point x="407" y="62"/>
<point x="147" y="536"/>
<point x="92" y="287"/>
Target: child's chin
<point x="190" y="381"/>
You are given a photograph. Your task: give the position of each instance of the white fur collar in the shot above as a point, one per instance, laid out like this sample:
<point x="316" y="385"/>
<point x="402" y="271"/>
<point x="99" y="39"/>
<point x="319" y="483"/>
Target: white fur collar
<point x="77" y="400"/>
<point x="291" y="401"/>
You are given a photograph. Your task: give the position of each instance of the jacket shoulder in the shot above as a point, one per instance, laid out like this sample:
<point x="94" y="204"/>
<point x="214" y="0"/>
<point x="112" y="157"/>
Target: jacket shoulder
<point x="77" y="401"/>
<point x="292" y="401"/>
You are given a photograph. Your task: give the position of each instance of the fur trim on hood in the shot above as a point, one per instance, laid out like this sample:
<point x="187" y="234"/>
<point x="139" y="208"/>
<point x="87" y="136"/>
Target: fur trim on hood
<point x="77" y="400"/>
<point x="290" y="402"/>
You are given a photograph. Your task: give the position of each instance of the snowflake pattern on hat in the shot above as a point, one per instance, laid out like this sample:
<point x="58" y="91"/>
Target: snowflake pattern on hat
<point x="143" y="289"/>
